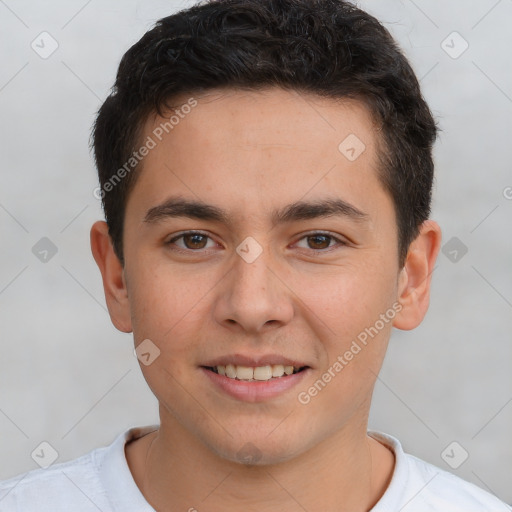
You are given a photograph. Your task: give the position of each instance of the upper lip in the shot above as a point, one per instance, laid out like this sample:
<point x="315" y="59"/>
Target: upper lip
<point x="263" y="360"/>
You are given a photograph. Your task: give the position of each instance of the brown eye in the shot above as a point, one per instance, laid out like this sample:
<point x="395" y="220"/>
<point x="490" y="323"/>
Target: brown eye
<point x="319" y="241"/>
<point x="195" y="241"/>
<point x="190" y="241"/>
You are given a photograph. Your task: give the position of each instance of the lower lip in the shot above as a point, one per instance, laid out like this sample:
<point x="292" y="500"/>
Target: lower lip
<point x="255" y="391"/>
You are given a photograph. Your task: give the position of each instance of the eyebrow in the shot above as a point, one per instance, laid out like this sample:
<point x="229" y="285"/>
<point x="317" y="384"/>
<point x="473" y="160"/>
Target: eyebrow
<point x="300" y="210"/>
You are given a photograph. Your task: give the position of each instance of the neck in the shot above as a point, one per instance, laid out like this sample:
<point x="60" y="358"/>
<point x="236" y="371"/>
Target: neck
<point x="347" y="472"/>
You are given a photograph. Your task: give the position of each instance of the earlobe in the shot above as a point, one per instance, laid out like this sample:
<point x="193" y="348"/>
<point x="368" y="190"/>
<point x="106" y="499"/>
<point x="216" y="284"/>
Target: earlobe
<point x="415" y="278"/>
<point x="112" y="273"/>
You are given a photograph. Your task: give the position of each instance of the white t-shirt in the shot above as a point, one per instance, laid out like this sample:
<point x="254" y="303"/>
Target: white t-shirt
<point x="101" y="481"/>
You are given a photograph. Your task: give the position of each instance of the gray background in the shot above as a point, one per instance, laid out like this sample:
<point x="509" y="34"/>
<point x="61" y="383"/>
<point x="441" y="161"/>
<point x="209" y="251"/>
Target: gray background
<point x="69" y="378"/>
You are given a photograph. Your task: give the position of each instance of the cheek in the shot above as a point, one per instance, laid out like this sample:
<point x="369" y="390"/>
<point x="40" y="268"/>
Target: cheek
<point x="348" y="299"/>
<point x="355" y="336"/>
<point x="169" y="306"/>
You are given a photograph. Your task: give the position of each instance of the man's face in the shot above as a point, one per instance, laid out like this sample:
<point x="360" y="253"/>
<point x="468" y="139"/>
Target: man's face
<point x="256" y="289"/>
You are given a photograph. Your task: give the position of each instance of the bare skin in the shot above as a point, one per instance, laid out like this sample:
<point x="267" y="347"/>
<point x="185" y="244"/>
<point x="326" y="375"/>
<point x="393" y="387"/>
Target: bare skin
<point x="303" y="298"/>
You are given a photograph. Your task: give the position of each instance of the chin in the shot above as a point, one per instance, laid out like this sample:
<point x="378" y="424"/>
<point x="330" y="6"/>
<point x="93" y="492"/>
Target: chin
<point x="258" y="449"/>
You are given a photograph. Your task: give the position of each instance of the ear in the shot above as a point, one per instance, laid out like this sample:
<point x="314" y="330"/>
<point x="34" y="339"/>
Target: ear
<point x="416" y="275"/>
<point x="112" y="273"/>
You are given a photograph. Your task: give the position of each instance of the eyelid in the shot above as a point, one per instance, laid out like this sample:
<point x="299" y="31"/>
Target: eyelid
<point x="341" y="241"/>
<point x="179" y="235"/>
<point x="189" y="232"/>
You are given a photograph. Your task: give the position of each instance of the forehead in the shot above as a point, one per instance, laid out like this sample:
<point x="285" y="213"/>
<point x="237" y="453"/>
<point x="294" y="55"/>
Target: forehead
<point x="258" y="116"/>
<point x="259" y="147"/>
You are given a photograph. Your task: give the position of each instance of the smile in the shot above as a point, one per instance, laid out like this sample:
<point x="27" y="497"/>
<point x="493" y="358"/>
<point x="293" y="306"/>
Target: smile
<point x="252" y="373"/>
<point x="255" y="383"/>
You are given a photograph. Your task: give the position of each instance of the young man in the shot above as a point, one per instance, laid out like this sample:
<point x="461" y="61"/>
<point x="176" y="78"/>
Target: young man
<point x="266" y="174"/>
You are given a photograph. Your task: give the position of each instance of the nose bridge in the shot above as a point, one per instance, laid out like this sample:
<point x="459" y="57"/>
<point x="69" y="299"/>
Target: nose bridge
<point x="251" y="279"/>
<point x="253" y="294"/>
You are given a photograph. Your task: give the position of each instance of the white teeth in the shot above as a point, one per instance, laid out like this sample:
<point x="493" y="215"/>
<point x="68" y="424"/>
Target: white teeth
<point x="231" y="371"/>
<point x="244" y="372"/>
<point x="277" y="370"/>
<point x="261" y="373"/>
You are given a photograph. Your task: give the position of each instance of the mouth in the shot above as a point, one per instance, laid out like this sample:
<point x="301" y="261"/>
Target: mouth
<point x="255" y="373"/>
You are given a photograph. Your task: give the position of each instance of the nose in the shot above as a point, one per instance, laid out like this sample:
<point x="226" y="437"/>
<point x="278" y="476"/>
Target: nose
<point x="253" y="296"/>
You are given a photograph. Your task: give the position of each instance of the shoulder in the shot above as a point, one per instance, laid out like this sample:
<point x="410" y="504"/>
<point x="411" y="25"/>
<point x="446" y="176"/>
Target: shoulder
<point x="54" y="488"/>
<point x="441" y="488"/>
<point x="98" y="480"/>
<point x="420" y="486"/>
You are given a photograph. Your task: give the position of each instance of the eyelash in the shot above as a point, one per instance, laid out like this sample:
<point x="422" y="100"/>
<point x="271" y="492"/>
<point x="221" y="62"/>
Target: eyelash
<point x="307" y="235"/>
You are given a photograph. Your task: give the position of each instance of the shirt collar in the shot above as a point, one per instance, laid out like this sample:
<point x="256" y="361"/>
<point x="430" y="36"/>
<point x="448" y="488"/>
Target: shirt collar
<point x="122" y="491"/>
<point x="394" y="494"/>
